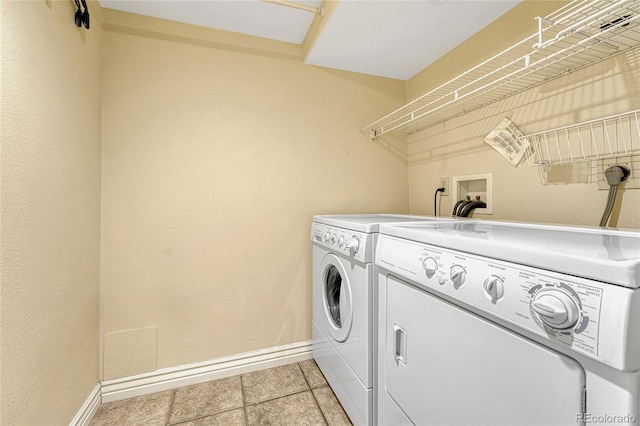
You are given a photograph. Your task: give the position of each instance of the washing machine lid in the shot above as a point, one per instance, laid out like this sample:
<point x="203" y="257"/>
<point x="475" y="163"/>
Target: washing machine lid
<point x="607" y="255"/>
<point x="370" y="223"/>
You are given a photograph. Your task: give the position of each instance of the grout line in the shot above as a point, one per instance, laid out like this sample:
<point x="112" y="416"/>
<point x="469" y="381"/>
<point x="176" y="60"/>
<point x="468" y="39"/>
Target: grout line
<point x="313" y="395"/>
<point x="280" y="397"/>
<point x="319" y="407"/>
<point x="173" y="399"/>
<point x="183" y="421"/>
<point x="304" y="375"/>
<point x="244" y="402"/>
<point x="326" y="385"/>
<point x="286" y="394"/>
<point x="203" y="417"/>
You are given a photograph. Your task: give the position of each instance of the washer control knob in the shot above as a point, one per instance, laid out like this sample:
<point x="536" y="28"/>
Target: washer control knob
<point x="430" y="266"/>
<point x="494" y="288"/>
<point x="353" y="245"/>
<point x="555" y="308"/>
<point x="326" y="237"/>
<point x="341" y="241"/>
<point x="457" y="275"/>
<point x="333" y="238"/>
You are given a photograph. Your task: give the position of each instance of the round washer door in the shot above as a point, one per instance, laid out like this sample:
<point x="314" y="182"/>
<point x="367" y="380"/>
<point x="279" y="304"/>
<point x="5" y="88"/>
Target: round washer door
<point x="336" y="298"/>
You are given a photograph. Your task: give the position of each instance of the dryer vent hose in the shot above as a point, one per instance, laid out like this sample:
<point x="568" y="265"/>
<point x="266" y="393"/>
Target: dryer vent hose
<point x="615" y="175"/>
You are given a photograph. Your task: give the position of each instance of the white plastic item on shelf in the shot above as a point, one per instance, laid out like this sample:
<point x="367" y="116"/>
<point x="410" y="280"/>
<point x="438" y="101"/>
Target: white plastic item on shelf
<point x="509" y="142"/>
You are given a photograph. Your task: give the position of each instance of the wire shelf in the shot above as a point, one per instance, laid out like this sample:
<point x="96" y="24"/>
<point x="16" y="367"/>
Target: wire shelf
<point x="608" y="137"/>
<point x="581" y="33"/>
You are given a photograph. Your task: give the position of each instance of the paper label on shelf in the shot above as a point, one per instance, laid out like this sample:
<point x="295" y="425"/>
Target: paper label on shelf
<point x="509" y="142"/>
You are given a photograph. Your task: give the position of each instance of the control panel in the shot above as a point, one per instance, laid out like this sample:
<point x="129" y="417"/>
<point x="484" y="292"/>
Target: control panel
<point x="565" y="308"/>
<point x="356" y="245"/>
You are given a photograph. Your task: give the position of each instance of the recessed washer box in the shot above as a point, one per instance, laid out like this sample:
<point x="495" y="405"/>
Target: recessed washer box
<point x="475" y="185"/>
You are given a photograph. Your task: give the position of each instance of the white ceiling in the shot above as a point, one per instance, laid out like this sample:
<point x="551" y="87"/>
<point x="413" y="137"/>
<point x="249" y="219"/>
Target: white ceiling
<point x="389" y="38"/>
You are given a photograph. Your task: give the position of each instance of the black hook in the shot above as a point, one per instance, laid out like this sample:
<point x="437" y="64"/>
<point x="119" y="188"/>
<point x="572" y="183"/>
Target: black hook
<point x="82" y="17"/>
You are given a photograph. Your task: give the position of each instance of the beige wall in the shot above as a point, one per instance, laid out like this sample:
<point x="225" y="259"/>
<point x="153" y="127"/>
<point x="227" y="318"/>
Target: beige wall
<point x="50" y="174"/>
<point x="214" y="162"/>
<point x="216" y="153"/>
<point x="567" y="195"/>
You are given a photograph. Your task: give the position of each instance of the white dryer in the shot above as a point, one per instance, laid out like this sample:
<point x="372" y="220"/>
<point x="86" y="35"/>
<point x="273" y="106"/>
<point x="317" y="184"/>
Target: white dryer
<point x="343" y="326"/>
<point x="492" y="323"/>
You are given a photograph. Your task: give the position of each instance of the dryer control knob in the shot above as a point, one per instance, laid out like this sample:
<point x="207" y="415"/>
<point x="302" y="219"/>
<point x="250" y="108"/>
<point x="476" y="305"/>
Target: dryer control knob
<point x="457" y="275"/>
<point x="430" y="266"/>
<point x="353" y="245"/>
<point x="555" y="308"/>
<point x="494" y="288"/>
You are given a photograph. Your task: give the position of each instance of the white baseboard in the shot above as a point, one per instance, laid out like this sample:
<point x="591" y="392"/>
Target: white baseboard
<point x="88" y="409"/>
<point x="190" y="374"/>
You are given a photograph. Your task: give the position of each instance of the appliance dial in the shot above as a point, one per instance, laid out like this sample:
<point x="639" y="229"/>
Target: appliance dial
<point x="341" y="241"/>
<point x="333" y="238"/>
<point x="457" y="275"/>
<point x="326" y="237"/>
<point x="430" y="266"/>
<point x="353" y="245"/>
<point x="555" y="308"/>
<point x="494" y="288"/>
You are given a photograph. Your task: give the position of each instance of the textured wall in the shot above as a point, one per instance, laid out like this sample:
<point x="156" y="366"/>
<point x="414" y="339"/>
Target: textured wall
<point x="567" y="195"/>
<point x="50" y="174"/>
<point x="214" y="162"/>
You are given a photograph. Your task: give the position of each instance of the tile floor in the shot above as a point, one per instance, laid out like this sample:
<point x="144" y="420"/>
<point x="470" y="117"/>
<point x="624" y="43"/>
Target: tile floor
<point x="293" y="394"/>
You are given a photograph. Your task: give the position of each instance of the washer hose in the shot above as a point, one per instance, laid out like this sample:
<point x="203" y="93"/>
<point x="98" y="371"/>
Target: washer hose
<point x="460" y="205"/>
<point x="455" y="208"/>
<point x="614" y="175"/>
<point x="468" y="208"/>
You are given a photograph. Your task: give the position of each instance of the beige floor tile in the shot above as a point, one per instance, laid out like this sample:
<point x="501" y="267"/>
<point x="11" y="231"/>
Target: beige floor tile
<point x="205" y="399"/>
<point x="331" y="408"/>
<point x="111" y="414"/>
<point x="150" y="410"/>
<point x="276" y="396"/>
<point x="313" y="374"/>
<point x="228" y="418"/>
<point x="272" y="383"/>
<point x="293" y="410"/>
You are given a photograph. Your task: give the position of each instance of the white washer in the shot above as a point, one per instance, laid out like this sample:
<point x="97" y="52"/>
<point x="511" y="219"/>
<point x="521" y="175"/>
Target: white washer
<point x="508" y="324"/>
<point x="343" y="305"/>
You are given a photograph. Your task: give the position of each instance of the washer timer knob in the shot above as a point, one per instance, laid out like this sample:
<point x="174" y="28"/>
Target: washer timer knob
<point x="353" y="245"/>
<point x="555" y="308"/>
<point x="430" y="266"/>
<point x="494" y="288"/>
<point x="457" y="275"/>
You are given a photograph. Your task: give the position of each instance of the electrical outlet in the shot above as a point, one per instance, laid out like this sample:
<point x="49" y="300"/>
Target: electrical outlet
<point x="444" y="183"/>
